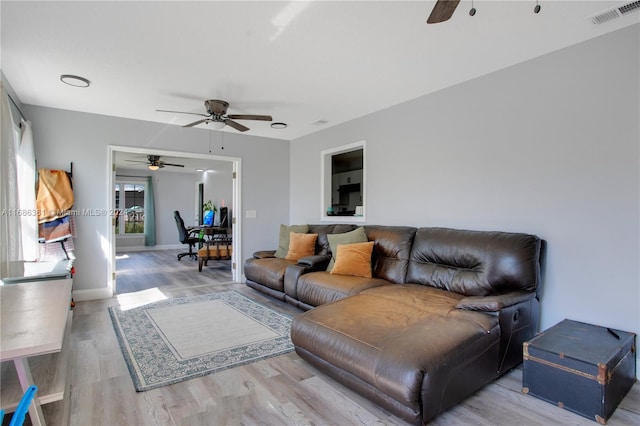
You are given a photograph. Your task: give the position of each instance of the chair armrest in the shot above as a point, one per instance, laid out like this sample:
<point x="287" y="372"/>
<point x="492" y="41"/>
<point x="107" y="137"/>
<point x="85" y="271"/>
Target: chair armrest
<point x="264" y="254"/>
<point x="494" y="303"/>
<point x="193" y="231"/>
<point x="315" y="262"/>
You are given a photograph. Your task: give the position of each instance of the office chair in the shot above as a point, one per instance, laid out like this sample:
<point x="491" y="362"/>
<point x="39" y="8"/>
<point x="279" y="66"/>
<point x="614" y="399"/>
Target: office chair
<point x="185" y="237"/>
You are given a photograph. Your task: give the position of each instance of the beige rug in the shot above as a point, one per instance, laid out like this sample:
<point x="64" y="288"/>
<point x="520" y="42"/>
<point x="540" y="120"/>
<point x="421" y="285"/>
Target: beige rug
<point x="188" y="329"/>
<point x="178" y="339"/>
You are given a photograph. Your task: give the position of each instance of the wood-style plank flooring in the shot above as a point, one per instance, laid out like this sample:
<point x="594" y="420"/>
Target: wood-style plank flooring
<point x="278" y="391"/>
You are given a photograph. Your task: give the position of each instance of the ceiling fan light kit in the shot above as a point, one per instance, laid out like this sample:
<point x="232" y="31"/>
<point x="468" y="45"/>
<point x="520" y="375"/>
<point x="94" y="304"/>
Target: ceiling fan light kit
<point x="154" y="162"/>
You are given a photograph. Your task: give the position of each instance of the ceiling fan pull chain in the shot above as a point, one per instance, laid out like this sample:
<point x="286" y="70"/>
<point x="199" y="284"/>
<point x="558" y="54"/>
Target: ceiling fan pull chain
<point x="210" y="131"/>
<point x="537" y="8"/>
<point x="472" y="11"/>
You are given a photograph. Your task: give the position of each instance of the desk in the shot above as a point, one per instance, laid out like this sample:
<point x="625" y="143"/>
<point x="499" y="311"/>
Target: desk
<point x="21" y="271"/>
<point x="35" y="317"/>
<point x="211" y="231"/>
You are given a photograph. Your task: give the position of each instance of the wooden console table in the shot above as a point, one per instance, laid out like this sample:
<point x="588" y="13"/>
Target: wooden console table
<point x="34" y="337"/>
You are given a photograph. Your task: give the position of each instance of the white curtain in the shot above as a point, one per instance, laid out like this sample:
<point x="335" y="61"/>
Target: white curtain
<point x="10" y="223"/>
<point x="26" y="163"/>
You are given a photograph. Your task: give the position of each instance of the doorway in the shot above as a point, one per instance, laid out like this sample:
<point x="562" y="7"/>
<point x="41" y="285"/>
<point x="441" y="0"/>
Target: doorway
<point x="174" y="161"/>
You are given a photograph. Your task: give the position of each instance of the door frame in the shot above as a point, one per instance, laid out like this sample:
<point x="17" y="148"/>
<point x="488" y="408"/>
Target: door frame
<point x="236" y="228"/>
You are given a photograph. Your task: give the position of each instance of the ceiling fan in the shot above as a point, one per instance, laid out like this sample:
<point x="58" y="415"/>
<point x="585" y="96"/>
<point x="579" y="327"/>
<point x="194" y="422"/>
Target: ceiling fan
<point x="217" y="113"/>
<point x="442" y="11"/>
<point x="154" y="162"/>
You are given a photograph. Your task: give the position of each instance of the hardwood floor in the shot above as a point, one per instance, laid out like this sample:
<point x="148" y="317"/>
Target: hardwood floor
<point x="138" y="271"/>
<point x="281" y="390"/>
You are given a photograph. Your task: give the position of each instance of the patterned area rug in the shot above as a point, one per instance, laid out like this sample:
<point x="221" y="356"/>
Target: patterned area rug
<point x="178" y="339"/>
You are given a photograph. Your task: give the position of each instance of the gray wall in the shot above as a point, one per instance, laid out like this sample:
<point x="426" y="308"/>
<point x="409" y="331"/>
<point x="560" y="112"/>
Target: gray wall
<point x="61" y="137"/>
<point x="218" y="187"/>
<point x="548" y="147"/>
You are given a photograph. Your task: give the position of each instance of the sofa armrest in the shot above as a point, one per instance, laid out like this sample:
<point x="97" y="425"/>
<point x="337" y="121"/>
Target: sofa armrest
<point x="316" y="262"/>
<point x="263" y="254"/>
<point x="305" y="265"/>
<point x="494" y="303"/>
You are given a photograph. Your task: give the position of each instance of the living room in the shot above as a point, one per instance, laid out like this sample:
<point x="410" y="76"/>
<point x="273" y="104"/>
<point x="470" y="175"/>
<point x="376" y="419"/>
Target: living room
<point x="546" y="145"/>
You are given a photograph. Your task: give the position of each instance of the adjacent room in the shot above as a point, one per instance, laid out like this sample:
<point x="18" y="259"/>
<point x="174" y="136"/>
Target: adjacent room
<point x="189" y="186"/>
<point x="320" y="212"/>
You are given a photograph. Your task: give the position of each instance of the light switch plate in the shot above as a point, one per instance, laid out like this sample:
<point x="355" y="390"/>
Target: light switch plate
<point x="251" y="214"/>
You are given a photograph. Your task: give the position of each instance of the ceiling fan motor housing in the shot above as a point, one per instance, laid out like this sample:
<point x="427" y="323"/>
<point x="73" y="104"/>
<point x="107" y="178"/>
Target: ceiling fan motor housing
<point x="216" y="107"/>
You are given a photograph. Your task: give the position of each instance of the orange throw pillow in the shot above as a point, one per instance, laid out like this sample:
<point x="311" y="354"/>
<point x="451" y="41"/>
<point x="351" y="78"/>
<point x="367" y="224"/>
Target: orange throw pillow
<point x="301" y="245"/>
<point x="354" y="259"/>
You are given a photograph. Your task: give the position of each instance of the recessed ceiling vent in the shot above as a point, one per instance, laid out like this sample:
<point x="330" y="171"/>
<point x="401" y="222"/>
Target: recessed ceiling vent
<point x="615" y="13"/>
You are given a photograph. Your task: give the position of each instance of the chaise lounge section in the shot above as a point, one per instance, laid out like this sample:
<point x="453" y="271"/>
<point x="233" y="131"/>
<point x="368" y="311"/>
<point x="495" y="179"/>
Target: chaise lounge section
<point x="445" y="312"/>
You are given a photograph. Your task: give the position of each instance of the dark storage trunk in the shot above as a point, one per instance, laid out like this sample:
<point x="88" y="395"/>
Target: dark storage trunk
<point x="584" y="368"/>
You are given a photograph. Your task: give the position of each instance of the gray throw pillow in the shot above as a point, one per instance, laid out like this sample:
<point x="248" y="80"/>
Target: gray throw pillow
<point x="356" y="236"/>
<point x="283" y="240"/>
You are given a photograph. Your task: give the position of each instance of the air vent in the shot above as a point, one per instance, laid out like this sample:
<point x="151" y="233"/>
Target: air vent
<point x="615" y="13"/>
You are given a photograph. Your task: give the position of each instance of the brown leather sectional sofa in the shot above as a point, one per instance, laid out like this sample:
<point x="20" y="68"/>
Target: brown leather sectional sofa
<point x="445" y="312"/>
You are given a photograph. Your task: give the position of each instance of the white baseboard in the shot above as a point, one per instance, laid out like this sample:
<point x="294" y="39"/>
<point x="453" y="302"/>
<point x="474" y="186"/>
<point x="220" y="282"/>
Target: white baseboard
<point x="93" y="294"/>
<point x="150" y="248"/>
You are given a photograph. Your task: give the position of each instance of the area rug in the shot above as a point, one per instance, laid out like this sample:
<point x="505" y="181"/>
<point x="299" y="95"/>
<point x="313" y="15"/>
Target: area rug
<point x="178" y="339"/>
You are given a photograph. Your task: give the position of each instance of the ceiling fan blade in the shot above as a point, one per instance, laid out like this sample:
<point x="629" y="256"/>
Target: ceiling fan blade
<point x="182" y="112"/>
<point x="195" y="123"/>
<point x="135" y="161"/>
<point x="250" y="117"/>
<point x="442" y="11"/>
<point x="236" y="125"/>
<point x="174" y="165"/>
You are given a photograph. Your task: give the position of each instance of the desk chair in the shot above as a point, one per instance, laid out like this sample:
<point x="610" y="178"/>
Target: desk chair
<point x="186" y="237"/>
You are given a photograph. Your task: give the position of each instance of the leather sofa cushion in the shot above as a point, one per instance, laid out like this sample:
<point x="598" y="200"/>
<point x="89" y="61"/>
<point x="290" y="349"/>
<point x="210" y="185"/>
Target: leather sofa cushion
<point x="318" y="288"/>
<point x="391" y="251"/>
<point x="396" y="336"/>
<point x="267" y="271"/>
<point x="474" y="263"/>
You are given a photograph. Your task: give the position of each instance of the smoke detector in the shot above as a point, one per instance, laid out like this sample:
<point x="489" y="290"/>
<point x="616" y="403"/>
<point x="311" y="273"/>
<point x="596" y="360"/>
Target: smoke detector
<point x="615" y="13"/>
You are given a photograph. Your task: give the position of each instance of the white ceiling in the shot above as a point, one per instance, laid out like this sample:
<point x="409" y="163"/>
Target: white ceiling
<point x="301" y="62"/>
<point x="138" y="162"/>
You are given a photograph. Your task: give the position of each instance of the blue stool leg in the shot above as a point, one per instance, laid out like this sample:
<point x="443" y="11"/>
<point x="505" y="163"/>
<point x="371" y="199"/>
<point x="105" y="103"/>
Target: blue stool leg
<point x="23" y="406"/>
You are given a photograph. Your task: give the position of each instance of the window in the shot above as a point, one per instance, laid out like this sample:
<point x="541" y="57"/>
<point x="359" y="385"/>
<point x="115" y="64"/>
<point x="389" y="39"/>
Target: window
<point x="343" y="183"/>
<point x="130" y="207"/>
